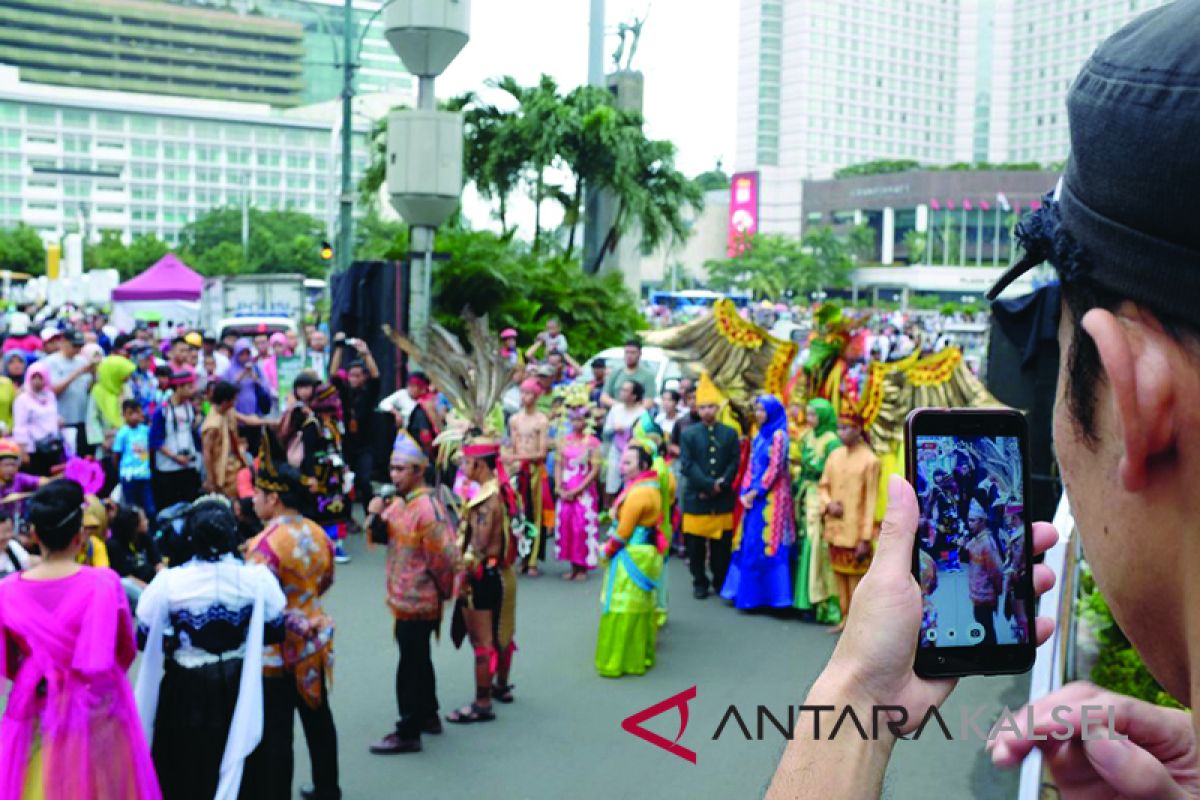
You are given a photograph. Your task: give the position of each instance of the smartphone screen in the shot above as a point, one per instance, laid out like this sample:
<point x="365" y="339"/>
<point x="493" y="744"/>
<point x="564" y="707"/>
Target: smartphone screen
<point x="971" y="559"/>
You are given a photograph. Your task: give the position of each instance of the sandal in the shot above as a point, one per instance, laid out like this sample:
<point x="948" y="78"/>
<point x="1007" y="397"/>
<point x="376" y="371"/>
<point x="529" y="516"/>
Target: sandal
<point x="532" y="572"/>
<point x="502" y="694"/>
<point x="469" y="714"/>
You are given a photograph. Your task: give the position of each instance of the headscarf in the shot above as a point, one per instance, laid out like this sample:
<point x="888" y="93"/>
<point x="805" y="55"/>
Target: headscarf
<point x="46" y="396"/>
<point x="20" y="356"/>
<point x="405" y="451"/>
<point x="279" y="338"/>
<point x="776" y="421"/>
<point x="111" y="375"/>
<point x="826" y="417"/>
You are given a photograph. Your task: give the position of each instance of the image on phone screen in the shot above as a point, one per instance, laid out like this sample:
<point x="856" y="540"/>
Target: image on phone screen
<point x="971" y="541"/>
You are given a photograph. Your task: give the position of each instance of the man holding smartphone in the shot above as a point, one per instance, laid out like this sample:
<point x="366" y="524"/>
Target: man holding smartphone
<point x="1122" y="236"/>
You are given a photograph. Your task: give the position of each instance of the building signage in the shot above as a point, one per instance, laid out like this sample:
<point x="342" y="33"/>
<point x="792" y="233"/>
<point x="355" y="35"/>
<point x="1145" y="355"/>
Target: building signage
<point x="743" y="210"/>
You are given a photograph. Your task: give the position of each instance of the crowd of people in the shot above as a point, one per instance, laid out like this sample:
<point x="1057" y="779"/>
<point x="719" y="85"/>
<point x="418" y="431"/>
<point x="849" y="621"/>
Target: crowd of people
<point x="182" y="484"/>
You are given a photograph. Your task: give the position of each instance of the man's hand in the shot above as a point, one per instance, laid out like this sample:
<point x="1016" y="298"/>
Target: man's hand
<point x="182" y="459"/>
<point x="862" y="550"/>
<point x="834" y="510"/>
<point x="748" y="499"/>
<point x="874" y="657"/>
<point x="718" y="485"/>
<point x="1156" y="762"/>
<point x="375" y="506"/>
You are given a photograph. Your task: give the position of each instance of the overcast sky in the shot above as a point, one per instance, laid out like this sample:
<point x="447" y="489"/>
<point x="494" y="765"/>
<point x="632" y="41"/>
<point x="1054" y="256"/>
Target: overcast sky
<point x="687" y="52"/>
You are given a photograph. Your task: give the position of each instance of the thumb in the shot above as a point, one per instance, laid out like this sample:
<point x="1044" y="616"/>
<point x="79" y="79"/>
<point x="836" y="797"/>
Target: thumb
<point x="1131" y="771"/>
<point x="894" y="555"/>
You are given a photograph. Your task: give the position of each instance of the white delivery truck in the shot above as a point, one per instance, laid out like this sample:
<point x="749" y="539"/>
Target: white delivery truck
<point x="251" y="303"/>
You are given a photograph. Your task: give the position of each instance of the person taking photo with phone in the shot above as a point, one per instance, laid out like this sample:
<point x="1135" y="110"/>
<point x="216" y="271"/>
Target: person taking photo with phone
<point x="1122" y="237"/>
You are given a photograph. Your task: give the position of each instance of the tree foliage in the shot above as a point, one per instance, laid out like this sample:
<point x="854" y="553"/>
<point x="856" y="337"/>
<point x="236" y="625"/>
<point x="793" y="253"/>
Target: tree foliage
<point x="555" y="147"/>
<point x="128" y="260"/>
<point x="889" y="166"/>
<point x="279" y="242"/>
<point x="21" y="250"/>
<point x="516" y="287"/>
<point x="771" y="266"/>
<point x="494" y="275"/>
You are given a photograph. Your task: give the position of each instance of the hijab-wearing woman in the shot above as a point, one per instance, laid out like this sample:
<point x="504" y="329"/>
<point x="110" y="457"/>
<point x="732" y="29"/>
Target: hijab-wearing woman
<point x="10" y="383"/>
<point x="625" y="643"/>
<point x="35" y="419"/>
<point x="248" y="377"/>
<point x="760" y="574"/>
<point x="814" y="574"/>
<point x="203" y="625"/>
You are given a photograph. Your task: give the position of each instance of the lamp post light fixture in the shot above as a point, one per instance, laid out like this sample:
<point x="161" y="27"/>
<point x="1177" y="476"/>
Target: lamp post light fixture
<point x="425" y="146"/>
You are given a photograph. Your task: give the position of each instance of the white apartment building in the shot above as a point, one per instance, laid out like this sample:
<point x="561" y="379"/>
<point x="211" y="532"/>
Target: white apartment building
<point x="87" y="160"/>
<point x="824" y="84"/>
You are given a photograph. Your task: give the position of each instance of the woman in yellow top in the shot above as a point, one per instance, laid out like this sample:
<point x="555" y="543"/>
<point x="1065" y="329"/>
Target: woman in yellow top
<point x="10" y="382"/>
<point x="634" y="552"/>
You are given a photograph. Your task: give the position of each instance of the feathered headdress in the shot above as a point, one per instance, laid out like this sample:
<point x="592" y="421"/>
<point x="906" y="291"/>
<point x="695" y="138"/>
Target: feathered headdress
<point x="472" y="381"/>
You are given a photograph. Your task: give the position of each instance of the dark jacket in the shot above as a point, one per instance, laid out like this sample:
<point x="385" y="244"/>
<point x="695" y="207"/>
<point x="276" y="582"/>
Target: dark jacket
<point x="706" y="454"/>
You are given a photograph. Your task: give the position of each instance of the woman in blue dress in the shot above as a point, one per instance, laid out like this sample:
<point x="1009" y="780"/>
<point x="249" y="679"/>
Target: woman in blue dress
<point x="760" y="574"/>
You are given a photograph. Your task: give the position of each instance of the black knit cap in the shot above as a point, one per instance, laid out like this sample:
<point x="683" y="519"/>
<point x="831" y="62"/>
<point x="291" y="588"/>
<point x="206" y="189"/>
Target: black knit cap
<point x="1126" y="197"/>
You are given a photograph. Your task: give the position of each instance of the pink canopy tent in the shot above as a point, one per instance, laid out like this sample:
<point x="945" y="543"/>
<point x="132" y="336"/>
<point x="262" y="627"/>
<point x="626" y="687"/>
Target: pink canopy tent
<point x="169" y="279"/>
<point x="169" y="292"/>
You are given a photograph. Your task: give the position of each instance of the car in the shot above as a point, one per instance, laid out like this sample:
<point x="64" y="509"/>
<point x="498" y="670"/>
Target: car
<point x="663" y="366"/>
<point x="252" y="326"/>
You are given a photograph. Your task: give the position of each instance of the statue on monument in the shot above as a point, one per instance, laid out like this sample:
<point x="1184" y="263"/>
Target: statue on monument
<point x="634" y="32"/>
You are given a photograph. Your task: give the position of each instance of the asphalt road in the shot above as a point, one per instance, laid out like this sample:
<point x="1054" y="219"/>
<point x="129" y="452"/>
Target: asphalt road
<point x="562" y="738"/>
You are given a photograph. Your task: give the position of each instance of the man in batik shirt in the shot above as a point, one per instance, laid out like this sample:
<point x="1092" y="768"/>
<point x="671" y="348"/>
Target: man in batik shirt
<point x="298" y="673"/>
<point x="420" y="578"/>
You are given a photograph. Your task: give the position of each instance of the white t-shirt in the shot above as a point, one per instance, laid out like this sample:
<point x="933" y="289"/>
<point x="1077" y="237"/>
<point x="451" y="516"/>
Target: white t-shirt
<point x="178" y="441"/>
<point x="13" y="558"/>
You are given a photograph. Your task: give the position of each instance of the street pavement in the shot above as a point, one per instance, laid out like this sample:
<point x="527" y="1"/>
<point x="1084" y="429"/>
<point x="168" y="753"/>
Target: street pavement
<point x="562" y="738"/>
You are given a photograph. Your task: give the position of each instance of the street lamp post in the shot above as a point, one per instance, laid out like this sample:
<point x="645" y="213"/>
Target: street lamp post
<point x="346" y="199"/>
<point x="425" y="146"/>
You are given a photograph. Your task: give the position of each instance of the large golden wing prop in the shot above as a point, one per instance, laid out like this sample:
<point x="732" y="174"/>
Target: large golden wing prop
<point x="741" y="357"/>
<point x="893" y="389"/>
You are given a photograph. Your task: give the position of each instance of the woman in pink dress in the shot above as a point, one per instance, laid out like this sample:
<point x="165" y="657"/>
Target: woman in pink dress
<point x="70" y="729"/>
<point x="577" y="513"/>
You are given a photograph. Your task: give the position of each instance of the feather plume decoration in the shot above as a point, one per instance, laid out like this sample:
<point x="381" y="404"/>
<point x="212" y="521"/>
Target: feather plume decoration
<point x="473" y="381"/>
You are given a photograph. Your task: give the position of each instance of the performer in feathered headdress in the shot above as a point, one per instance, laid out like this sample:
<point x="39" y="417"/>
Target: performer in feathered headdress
<point x="577" y="463"/>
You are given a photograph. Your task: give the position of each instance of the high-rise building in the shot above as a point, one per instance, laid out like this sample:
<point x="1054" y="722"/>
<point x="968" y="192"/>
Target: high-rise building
<point x="92" y="161"/>
<point x="143" y="46"/>
<point x="823" y="85"/>
<point x="379" y="71"/>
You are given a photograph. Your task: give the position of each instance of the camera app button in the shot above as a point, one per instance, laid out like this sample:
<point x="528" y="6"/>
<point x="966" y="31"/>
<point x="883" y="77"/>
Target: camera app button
<point x="931" y="635"/>
<point x="975" y="632"/>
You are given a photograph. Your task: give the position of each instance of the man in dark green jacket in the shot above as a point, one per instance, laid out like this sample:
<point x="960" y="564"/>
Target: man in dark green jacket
<point x="708" y="461"/>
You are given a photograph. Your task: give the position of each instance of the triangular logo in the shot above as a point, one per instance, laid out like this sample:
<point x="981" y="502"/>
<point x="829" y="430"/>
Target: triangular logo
<point x="633" y="724"/>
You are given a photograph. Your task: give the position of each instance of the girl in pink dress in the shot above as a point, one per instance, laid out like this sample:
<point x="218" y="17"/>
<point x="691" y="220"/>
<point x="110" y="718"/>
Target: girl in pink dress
<point x="577" y="513"/>
<point x="70" y="729"/>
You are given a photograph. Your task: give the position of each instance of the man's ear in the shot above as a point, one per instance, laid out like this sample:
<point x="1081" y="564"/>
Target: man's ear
<point x="1135" y="355"/>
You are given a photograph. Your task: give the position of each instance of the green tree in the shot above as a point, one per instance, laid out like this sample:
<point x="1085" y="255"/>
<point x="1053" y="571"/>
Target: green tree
<point x="770" y="265"/>
<point x="128" y="260"/>
<point x="861" y="242"/>
<point x="713" y="180"/>
<point x="22" y="250"/>
<point x="831" y="262"/>
<point x="490" y="274"/>
<point x="914" y="245"/>
<point x="557" y="147"/>
<point x="279" y="242"/>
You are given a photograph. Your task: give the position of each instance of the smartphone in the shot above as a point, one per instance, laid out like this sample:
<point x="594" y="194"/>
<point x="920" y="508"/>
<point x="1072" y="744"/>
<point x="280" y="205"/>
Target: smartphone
<point x="974" y="549"/>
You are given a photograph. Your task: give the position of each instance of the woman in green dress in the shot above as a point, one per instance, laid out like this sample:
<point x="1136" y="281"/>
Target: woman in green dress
<point x="814" y="575"/>
<point x="634" y="552"/>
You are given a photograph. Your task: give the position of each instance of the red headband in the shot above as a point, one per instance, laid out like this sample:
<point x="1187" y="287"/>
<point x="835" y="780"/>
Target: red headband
<point x="481" y="450"/>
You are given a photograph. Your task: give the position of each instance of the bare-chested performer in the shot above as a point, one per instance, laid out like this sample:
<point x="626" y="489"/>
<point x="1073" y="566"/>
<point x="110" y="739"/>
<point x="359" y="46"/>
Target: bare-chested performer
<point x="529" y="436"/>
<point x="487" y="600"/>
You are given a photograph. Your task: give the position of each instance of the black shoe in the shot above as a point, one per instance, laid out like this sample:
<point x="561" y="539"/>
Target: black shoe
<point x="433" y="726"/>
<point x="310" y="793"/>
<point x="392" y="744"/>
<point x="700" y="593"/>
